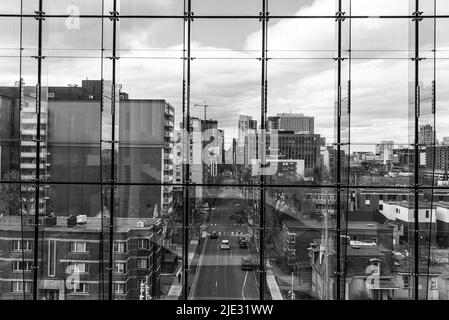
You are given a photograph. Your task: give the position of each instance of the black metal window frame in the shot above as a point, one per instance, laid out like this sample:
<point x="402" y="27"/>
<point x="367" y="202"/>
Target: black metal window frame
<point x="341" y="185"/>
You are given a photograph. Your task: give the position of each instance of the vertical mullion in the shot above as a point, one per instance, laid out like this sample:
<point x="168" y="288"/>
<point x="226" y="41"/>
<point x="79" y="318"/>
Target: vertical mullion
<point x="338" y="184"/>
<point x="263" y="111"/>
<point x="39" y="57"/>
<point x="433" y="111"/>
<point x="112" y="172"/>
<point x="101" y="244"/>
<point x="186" y="137"/>
<point x="348" y="174"/>
<point x="416" y="147"/>
<point x="20" y="144"/>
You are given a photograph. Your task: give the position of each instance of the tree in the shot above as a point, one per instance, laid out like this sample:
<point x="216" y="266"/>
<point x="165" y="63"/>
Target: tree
<point x="10" y="203"/>
<point x="281" y="203"/>
<point x="17" y="198"/>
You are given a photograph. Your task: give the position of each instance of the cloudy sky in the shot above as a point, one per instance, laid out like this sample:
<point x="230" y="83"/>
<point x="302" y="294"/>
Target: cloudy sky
<point x="226" y="73"/>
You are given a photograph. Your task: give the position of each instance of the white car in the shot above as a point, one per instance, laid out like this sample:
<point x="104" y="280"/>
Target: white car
<point x="250" y="222"/>
<point x="225" y="245"/>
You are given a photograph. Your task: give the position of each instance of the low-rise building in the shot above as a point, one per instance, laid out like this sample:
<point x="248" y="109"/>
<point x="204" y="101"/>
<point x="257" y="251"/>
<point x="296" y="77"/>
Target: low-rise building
<point x="75" y="256"/>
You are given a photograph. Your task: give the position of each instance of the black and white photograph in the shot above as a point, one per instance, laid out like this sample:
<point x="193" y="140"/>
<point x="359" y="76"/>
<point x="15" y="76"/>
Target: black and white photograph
<point x="218" y="151"/>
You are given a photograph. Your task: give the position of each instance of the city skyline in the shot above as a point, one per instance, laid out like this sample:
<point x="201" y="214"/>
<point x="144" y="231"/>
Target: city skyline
<point x="212" y="150"/>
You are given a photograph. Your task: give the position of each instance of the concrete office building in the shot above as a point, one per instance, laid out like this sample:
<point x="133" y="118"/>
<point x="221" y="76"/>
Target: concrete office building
<point x="300" y="146"/>
<point x="295" y="122"/>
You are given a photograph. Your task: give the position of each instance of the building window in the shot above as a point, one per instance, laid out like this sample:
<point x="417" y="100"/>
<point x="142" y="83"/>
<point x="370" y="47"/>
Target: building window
<point x="79" y="246"/>
<point x="120" y="247"/>
<point x="433" y="283"/>
<point x="427" y="214"/>
<point x="21" y="265"/>
<point x="20" y="286"/>
<point x="143" y="243"/>
<point x="119" y="288"/>
<point x="18" y="246"/>
<point x="120" y="267"/>
<point x="83" y="288"/>
<point x="142" y="263"/>
<point x="381" y="206"/>
<point x="79" y="267"/>
<point x="406" y="281"/>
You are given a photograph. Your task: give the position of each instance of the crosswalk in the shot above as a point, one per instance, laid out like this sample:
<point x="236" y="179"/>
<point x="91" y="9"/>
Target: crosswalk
<point x="232" y="233"/>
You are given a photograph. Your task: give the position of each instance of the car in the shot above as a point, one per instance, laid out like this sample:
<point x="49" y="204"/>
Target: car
<point x="214" y="235"/>
<point x="225" y="245"/>
<point x="243" y="244"/>
<point x="250" y="221"/>
<point x="247" y="263"/>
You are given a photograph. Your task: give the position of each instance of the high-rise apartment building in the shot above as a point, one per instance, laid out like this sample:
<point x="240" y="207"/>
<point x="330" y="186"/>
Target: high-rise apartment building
<point x="426" y="135"/>
<point x="73" y="148"/>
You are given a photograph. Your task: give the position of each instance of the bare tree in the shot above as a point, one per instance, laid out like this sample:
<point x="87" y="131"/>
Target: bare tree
<point x="19" y="198"/>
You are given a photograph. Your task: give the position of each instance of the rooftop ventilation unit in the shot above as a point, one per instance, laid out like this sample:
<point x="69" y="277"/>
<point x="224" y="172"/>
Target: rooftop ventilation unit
<point x="141" y="224"/>
<point x="71" y="221"/>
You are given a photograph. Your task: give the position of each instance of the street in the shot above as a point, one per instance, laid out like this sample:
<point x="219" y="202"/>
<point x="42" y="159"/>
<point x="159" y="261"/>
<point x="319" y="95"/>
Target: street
<point x="219" y="274"/>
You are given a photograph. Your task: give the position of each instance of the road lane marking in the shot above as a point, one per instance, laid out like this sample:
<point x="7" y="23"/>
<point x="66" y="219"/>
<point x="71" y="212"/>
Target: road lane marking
<point x="243" y="287"/>
<point x="216" y="283"/>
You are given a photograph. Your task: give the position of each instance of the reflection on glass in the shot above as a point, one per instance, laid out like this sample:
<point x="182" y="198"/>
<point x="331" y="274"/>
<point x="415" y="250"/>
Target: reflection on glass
<point x="132" y="146"/>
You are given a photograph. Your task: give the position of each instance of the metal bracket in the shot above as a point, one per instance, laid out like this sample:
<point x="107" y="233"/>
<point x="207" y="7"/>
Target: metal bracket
<point x="114" y="15"/>
<point x="417" y="16"/>
<point x="340" y="16"/>
<point x="40" y="15"/>
<point x="264" y="15"/>
<point x="188" y="16"/>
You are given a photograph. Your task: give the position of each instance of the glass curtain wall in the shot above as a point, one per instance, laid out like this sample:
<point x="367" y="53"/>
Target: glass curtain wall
<point x="193" y="149"/>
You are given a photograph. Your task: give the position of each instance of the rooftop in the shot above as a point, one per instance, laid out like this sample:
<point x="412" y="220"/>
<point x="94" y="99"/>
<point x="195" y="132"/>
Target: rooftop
<point x="93" y="224"/>
<point x="411" y="204"/>
<point x="317" y="224"/>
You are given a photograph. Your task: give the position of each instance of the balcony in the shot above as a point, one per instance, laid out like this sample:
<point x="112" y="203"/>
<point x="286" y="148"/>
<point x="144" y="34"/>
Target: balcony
<point x="167" y="200"/>
<point x="32" y="166"/>
<point x="167" y="189"/>
<point x="168" y="167"/>
<point x="32" y="121"/>
<point x="169" y="134"/>
<point x="169" y="112"/>
<point x="31" y="132"/>
<point x="168" y="178"/>
<point x="32" y="155"/>
<point x="168" y="123"/>
<point x="28" y="177"/>
<point x="168" y="156"/>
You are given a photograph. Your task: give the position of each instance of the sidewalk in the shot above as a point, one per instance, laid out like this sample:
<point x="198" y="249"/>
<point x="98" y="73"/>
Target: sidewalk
<point x="176" y="287"/>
